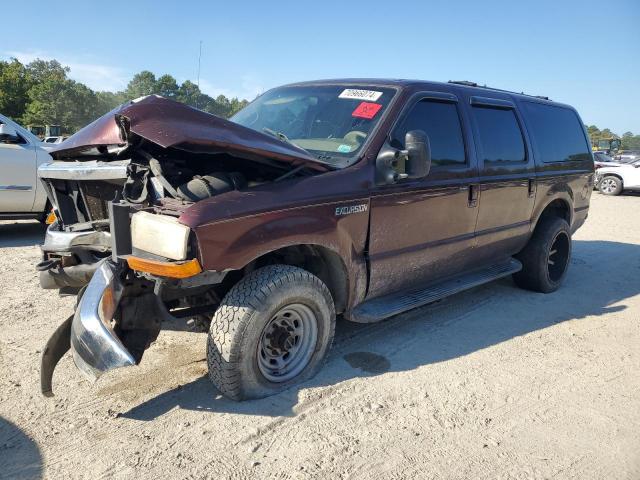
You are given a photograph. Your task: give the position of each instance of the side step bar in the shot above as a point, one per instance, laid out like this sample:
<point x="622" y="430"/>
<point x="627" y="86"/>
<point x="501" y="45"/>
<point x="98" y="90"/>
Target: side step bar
<point x="389" y="305"/>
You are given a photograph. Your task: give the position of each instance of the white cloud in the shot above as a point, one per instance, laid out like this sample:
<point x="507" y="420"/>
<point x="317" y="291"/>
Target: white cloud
<point x="95" y="76"/>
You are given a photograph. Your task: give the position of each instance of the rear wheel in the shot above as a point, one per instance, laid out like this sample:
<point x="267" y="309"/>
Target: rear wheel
<point x="272" y="330"/>
<point x="546" y="257"/>
<point x="610" y="185"/>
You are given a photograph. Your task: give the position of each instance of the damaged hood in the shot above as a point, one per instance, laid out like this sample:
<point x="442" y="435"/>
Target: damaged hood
<point x="172" y="124"/>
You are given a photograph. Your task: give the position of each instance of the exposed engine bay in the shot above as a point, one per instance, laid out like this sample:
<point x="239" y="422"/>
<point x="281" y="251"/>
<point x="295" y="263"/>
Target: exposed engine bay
<point x="160" y="154"/>
<point x="117" y="188"/>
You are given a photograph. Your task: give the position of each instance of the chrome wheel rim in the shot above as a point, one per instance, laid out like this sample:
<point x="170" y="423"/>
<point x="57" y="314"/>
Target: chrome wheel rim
<point x="558" y="256"/>
<point x="287" y="343"/>
<point x="608" y="185"/>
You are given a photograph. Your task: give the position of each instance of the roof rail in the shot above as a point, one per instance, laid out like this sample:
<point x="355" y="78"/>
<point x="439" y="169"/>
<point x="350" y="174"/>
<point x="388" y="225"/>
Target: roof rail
<point x="467" y="83"/>
<point x="464" y="82"/>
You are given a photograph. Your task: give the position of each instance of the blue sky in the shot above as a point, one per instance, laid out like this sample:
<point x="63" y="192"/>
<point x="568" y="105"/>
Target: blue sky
<point x="586" y="53"/>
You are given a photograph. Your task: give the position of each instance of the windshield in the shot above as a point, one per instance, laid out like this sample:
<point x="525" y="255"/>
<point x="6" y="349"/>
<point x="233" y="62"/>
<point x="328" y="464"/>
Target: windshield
<point x="331" y="122"/>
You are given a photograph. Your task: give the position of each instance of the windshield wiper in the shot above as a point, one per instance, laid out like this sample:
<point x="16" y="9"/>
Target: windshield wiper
<point x="283" y="137"/>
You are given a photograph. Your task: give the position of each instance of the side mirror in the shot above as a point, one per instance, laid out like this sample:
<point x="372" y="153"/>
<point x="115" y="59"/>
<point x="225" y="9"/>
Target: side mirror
<point x="8" y="133"/>
<point x="413" y="162"/>
<point x="418" y="148"/>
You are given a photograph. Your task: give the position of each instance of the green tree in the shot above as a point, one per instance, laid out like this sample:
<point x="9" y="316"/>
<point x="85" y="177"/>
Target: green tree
<point x="237" y="105"/>
<point x="107" y="101"/>
<point x="189" y="93"/>
<point x="51" y="102"/>
<point x="143" y="83"/>
<point x="167" y="86"/>
<point x="630" y="141"/>
<point x="15" y="82"/>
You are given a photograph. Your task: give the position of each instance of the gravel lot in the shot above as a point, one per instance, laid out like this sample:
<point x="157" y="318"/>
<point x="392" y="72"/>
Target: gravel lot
<point x="496" y="382"/>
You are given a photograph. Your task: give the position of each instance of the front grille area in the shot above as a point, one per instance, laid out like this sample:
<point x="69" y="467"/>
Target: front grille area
<point x="96" y="195"/>
<point x="81" y="201"/>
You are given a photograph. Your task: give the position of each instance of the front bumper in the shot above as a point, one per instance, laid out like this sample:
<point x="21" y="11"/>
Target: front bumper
<point x="59" y="241"/>
<point x="95" y="346"/>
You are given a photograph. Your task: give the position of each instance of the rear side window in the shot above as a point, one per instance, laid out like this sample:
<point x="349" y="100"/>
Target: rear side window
<point x="440" y="121"/>
<point x="557" y="133"/>
<point x="500" y="135"/>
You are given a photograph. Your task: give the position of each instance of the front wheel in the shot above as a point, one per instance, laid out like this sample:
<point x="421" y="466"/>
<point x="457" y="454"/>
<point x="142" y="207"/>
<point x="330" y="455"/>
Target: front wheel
<point x="546" y="257"/>
<point x="610" y="185"/>
<point x="273" y="329"/>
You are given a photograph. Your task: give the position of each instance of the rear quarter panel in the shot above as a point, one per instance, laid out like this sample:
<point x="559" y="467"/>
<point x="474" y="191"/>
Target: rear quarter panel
<point x="568" y="181"/>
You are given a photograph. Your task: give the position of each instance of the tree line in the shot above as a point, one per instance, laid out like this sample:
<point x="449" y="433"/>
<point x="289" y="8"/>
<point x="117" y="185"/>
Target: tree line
<point x="41" y="93"/>
<point x="629" y="141"/>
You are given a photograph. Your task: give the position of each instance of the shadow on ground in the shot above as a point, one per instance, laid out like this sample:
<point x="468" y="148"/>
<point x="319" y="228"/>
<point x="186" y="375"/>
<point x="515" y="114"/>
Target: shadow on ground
<point x="601" y="274"/>
<point x="20" y="457"/>
<point x="21" y="234"/>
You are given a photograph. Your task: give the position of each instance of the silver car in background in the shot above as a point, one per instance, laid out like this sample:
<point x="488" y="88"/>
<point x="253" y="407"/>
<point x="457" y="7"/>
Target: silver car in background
<point x="22" y="195"/>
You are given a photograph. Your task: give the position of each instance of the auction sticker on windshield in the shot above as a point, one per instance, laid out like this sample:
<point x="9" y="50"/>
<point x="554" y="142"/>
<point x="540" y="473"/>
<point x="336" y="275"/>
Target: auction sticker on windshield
<point x="356" y="94"/>
<point x="366" y="110"/>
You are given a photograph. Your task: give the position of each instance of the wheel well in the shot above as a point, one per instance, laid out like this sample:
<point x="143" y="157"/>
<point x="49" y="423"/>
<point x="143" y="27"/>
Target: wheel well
<point x="321" y="261"/>
<point x="619" y="177"/>
<point x="557" y="208"/>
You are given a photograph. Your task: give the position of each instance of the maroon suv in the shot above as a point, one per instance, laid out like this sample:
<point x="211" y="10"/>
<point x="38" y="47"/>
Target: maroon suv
<point x="360" y="198"/>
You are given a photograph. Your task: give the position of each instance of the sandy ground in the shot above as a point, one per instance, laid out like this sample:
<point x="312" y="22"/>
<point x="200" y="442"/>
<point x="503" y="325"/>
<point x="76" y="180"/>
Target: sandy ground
<point x="496" y="382"/>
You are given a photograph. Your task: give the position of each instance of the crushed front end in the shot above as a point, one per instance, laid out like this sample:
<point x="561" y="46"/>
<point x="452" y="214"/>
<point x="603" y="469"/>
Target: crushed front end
<point x="118" y="189"/>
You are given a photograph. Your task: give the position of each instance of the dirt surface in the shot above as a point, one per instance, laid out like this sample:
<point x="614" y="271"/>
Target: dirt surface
<point x="493" y="383"/>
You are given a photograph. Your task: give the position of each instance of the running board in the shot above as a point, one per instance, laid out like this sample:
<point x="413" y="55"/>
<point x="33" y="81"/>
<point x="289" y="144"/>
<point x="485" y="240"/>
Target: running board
<point x="389" y="305"/>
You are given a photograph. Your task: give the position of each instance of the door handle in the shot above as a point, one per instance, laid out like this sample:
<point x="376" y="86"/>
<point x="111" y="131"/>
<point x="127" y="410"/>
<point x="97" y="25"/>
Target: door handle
<point x="532" y="188"/>
<point x="473" y="195"/>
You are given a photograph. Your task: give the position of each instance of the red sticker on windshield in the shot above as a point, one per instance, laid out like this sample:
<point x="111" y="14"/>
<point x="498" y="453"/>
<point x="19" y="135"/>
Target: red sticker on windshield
<point x="366" y="110"/>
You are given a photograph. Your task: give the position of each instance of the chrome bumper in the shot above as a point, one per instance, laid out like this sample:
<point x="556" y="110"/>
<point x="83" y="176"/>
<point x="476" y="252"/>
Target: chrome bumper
<point x="57" y="241"/>
<point x="95" y="346"/>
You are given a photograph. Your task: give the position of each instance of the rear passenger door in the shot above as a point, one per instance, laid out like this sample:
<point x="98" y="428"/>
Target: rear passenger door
<point x="506" y="177"/>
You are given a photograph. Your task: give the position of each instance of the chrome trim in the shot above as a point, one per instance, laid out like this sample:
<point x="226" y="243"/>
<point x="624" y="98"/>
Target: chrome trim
<point x="90" y="170"/>
<point x="95" y="346"/>
<point x="58" y="241"/>
<point x="22" y="188"/>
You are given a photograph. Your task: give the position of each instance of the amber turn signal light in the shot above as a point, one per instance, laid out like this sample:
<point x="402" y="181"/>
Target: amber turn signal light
<point x="51" y="218"/>
<point x="165" y="269"/>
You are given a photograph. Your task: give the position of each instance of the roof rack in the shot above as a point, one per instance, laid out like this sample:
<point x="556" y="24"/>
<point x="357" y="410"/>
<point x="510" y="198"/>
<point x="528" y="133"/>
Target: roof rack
<point x="467" y="83"/>
<point x="464" y="82"/>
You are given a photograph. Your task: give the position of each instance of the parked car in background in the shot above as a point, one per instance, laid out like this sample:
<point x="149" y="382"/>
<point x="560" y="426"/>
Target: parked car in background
<point x="601" y="159"/>
<point x="627" y="156"/>
<point x="22" y="195"/>
<point x="54" y="140"/>
<point x="613" y="180"/>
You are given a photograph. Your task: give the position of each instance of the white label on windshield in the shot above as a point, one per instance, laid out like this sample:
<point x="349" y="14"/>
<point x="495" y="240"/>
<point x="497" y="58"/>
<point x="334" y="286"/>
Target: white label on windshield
<point x="354" y="94"/>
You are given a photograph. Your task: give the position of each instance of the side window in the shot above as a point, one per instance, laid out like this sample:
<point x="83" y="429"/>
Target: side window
<point x="557" y="133"/>
<point x="440" y="121"/>
<point x="500" y="135"/>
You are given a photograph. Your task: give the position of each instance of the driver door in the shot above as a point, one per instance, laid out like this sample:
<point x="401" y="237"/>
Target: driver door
<point x="422" y="231"/>
<point x="17" y="176"/>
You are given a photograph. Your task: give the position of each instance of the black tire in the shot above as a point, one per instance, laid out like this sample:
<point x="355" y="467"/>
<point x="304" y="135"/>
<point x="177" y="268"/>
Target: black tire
<point x="610" y="185"/>
<point x="546" y="257"/>
<point x="238" y="332"/>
